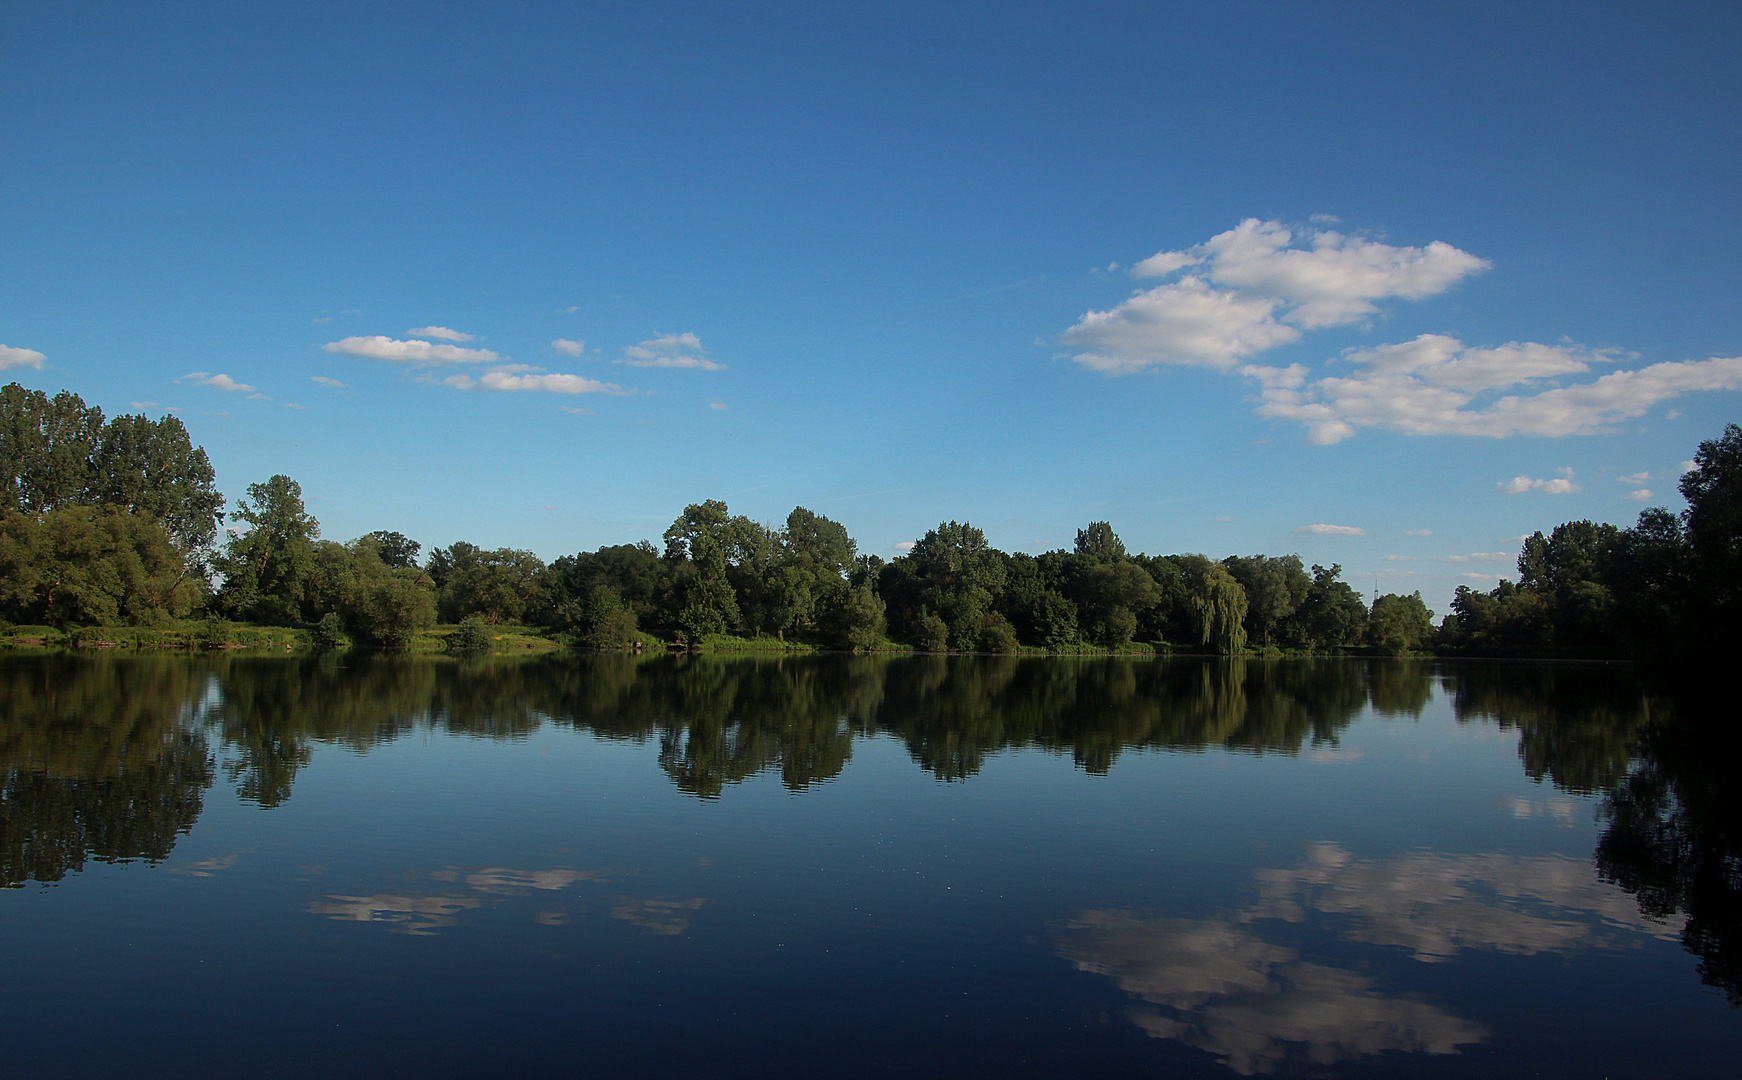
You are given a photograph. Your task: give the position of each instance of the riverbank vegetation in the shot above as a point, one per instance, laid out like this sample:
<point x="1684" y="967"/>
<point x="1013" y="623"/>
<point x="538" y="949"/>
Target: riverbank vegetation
<point x="110" y="535"/>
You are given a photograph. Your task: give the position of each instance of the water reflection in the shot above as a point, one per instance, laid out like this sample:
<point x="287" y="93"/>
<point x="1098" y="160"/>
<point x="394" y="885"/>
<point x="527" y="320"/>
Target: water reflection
<point x="110" y="758"/>
<point x="1435" y="905"/>
<point x="1258" y="1007"/>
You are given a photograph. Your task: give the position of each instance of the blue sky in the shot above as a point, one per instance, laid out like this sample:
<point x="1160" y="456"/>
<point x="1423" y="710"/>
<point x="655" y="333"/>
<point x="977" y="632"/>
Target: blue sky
<point x="1387" y="285"/>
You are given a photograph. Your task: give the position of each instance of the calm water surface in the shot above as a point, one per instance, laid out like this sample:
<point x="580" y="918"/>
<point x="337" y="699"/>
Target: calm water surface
<point x="609" y="866"/>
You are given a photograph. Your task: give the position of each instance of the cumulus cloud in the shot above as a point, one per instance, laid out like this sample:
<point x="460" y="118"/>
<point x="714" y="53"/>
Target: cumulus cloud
<point x="1259" y="286"/>
<point x="421" y="353"/>
<point x="905" y="545"/>
<point x="220" y="381"/>
<point x="515" y="377"/>
<point x="11" y="357"/>
<point x="440" y="332"/>
<point x="1636" y="478"/>
<point x="322" y="380"/>
<point x="1332" y="279"/>
<point x="567" y="347"/>
<point x="1518" y="485"/>
<point x="670" y="351"/>
<point x="1638" y="494"/>
<point x="1329" y="530"/>
<point x="1689" y="466"/>
<point x="1189" y="323"/>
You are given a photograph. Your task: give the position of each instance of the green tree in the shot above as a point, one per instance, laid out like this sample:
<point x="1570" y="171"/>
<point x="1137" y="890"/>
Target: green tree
<point x="1218" y="603"/>
<point x="1274" y="587"/>
<point x="1099" y="541"/>
<point x="85" y="565"/>
<point x="505" y="585"/>
<point x="266" y="568"/>
<point x="1399" y="624"/>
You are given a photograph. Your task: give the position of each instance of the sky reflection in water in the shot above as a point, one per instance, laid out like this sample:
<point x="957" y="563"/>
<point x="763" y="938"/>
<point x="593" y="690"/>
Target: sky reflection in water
<point x="1060" y="867"/>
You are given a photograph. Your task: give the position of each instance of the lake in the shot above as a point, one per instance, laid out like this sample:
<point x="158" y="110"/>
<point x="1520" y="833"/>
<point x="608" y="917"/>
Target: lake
<point x="377" y="866"/>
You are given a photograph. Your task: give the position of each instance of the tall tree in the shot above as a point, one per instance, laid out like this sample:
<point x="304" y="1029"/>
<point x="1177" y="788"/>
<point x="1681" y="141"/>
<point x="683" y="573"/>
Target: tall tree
<point x="265" y="568"/>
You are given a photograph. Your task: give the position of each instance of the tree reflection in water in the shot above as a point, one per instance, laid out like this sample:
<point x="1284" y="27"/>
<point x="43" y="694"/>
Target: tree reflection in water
<point x="109" y="758"/>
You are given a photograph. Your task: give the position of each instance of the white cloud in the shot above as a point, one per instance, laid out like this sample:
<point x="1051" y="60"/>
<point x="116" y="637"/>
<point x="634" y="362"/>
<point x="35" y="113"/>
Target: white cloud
<point x="11" y="357"/>
<point x="1329" y="530"/>
<point x="670" y="351"/>
<point x="1481" y="556"/>
<point x="514" y="377"/>
<point x="322" y="380"/>
<point x="143" y="405"/>
<point x="1689" y="466"/>
<point x="1333" y="279"/>
<point x="1400" y="558"/>
<point x="258" y="397"/>
<point x="570" y="310"/>
<point x="1638" y="494"/>
<point x="1188" y="323"/>
<point x="1636" y="478"/>
<point x="577" y="412"/>
<point x="567" y="347"/>
<point x="1518" y="485"/>
<point x="1258" y="286"/>
<point x="1419" y="532"/>
<point x="1428" y="387"/>
<point x="440" y="332"/>
<point x="717" y="406"/>
<point x="905" y="545"/>
<point x="294" y="405"/>
<point x="377" y="347"/>
<point x="220" y="381"/>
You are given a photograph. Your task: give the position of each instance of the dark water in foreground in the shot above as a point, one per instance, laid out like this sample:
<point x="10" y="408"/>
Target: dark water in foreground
<point x="602" y="866"/>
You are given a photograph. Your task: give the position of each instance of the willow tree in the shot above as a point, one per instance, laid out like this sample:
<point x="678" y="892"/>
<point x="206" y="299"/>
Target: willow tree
<point x="1217" y="601"/>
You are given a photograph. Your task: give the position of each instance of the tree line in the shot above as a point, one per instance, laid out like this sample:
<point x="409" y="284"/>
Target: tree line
<point x="105" y="521"/>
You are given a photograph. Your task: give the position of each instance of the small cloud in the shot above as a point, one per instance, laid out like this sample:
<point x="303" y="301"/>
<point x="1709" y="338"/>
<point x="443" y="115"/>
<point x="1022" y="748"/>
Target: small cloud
<point x="1638" y="494"/>
<point x="378" y="347"/>
<point x="1480" y="556"/>
<point x="143" y="405"/>
<point x="323" y="319"/>
<point x="670" y="351"/>
<point x="1673" y="414"/>
<point x="1689" y="466"/>
<point x="293" y="405"/>
<point x="1419" y="532"/>
<point x="548" y="506"/>
<point x="570" y="310"/>
<point x="516" y="377"/>
<point x="567" y="347"/>
<point x="349" y="311"/>
<point x="905" y="545"/>
<point x="258" y="397"/>
<point x="717" y="406"/>
<point x="577" y="412"/>
<point x="220" y="381"/>
<point x="1566" y="471"/>
<point x="440" y="332"/>
<point x="322" y="380"/>
<point x="1518" y="485"/>
<point x="1224" y="517"/>
<point x="1636" y="478"/>
<point x="1400" y="558"/>
<point x="1485" y="578"/>
<point x="1329" y="530"/>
